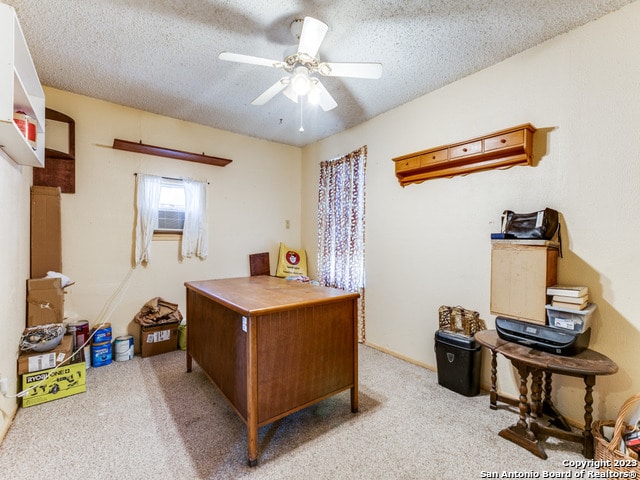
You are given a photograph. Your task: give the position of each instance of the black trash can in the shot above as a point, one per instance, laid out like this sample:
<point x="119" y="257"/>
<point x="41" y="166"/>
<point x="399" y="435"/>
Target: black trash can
<point x="458" y="359"/>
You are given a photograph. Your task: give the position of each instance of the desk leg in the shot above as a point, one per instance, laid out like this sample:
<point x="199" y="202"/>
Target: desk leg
<point x="354" y="389"/>
<point x="189" y="361"/>
<point x="354" y="400"/>
<point x="520" y="433"/>
<point x="252" y="392"/>
<point x="589" y="382"/>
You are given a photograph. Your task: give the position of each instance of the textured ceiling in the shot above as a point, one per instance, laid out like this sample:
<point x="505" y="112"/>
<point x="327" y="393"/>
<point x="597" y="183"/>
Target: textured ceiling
<point x="161" y="56"/>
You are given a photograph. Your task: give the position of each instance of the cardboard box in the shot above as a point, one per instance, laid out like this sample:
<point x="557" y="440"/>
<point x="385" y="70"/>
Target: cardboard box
<point x="45" y="301"/>
<point x="520" y="275"/>
<point x="158" y="339"/>
<point x="62" y="382"/>
<point x="35" y="361"/>
<point x="46" y="231"/>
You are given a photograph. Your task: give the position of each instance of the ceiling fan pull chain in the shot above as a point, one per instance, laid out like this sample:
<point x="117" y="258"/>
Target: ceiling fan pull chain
<point x="301" y="101"/>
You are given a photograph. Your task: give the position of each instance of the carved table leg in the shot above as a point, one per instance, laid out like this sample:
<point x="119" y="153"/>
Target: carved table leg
<point x="589" y="381"/>
<point x="493" y="394"/>
<point x="548" y="408"/>
<point x="520" y="433"/>
<point x="536" y="395"/>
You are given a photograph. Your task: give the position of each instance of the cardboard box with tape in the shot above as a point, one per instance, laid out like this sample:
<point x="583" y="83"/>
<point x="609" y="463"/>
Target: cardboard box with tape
<point x="45" y="301"/>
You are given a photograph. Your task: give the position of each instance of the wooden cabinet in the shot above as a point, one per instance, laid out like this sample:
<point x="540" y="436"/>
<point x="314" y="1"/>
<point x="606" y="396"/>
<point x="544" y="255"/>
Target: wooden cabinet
<point x="521" y="271"/>
<point x="20" y="90"/>
<point x="502" y="149"/>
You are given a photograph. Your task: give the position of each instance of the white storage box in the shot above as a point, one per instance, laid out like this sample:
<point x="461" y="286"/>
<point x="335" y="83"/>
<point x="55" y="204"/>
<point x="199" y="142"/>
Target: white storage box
<point x="575" y="320"/>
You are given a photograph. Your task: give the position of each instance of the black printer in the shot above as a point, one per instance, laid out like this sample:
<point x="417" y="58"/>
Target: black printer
<point x="542" y="337"/>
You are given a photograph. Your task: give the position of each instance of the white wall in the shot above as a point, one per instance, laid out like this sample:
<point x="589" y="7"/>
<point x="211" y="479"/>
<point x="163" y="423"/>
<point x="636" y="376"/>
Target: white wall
<point x="429" y="244"/>
<point x="15" y="183"/>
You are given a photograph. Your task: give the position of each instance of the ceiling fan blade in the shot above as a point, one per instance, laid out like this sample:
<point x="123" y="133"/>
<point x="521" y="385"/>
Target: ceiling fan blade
<point x="271" y="92"/>
<point x="325" y="100"/>
<point x="313" y="32"/>
<point x="355" y="70"/>
<point x="290" y="94"/>
<point x="240" y="58"/>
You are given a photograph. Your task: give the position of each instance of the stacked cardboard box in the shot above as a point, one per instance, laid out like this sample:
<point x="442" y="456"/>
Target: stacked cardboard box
<point x="49" y="375"/>
<point x="45" y="301"/>
<point x="29" y="362"/>
<point x="45" y="298"/>
<point x="53" y="384"/>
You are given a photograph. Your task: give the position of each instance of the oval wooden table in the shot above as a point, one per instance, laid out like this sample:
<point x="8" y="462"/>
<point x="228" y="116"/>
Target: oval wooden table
<point x="529" y="361"/>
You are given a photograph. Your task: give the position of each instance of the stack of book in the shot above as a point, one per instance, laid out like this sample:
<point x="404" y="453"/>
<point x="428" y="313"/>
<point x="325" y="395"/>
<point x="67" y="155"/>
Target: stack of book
<point x="573" y="297"/>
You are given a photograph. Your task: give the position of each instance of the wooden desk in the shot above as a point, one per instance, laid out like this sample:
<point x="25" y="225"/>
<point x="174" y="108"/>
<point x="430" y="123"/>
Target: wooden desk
<point x="272" y="346"/>
<point x="527" y="360"/>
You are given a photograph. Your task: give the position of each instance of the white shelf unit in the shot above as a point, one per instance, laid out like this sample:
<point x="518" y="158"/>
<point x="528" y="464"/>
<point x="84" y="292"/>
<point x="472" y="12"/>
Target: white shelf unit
<point x="20" y="90"/>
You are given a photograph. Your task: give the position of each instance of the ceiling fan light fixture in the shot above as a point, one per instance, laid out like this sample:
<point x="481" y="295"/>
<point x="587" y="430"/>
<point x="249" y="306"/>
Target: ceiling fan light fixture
<point x="301" y="84"/>
<point x="300" y="81"/>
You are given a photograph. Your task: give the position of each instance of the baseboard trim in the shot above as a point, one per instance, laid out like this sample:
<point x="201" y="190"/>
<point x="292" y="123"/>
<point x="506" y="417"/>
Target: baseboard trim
<point x="11" y="415"/>
<point x="573" y="422"/>
<point x="398" y="355"/>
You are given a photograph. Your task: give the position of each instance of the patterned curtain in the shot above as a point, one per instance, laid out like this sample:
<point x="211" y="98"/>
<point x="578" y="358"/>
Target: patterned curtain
<point x="341" y="222"/>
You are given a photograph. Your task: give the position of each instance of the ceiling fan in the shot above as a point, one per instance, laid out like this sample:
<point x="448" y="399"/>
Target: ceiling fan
<point x="303" y="66"/>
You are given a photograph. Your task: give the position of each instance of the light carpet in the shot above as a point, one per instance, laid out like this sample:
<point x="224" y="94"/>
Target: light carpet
<point x="147" y="418"/>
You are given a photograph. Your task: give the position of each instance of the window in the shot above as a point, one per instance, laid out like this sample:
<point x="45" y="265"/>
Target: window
<point x="171" y="206"/>
<point x="174" y="206"/>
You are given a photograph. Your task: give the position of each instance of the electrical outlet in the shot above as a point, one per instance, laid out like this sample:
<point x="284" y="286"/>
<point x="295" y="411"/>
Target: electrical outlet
<point x="4" y="386"/>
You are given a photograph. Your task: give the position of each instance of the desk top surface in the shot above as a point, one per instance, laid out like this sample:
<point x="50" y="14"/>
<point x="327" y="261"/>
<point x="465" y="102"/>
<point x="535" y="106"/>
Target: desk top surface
<point x="588" y="362"/>
<point x="261" y="295"/>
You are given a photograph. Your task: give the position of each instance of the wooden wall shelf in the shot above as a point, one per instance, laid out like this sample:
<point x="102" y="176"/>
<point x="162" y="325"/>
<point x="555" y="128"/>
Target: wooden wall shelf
<point x="169" y="153"/>
<point x="502" y="149"/>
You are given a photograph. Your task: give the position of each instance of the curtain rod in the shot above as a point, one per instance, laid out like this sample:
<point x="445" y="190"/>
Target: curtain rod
<point x="167" y="178"/>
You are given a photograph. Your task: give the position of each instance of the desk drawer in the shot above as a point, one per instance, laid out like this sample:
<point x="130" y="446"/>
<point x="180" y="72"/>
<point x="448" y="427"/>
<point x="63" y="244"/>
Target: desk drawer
<point x="408" y="164"/>
<point x="465" y="149"/>
<point x="432" y="158"/>
<point x="502" y="141"/>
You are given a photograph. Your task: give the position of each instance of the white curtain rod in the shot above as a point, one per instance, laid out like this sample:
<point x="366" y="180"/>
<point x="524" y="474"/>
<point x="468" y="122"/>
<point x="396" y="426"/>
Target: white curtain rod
<point x="168" y="178"/>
